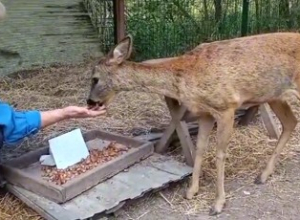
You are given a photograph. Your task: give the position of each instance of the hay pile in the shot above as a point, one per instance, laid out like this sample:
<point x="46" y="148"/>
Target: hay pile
<point x="13" y="208"/>
<point x="58" y="87"/>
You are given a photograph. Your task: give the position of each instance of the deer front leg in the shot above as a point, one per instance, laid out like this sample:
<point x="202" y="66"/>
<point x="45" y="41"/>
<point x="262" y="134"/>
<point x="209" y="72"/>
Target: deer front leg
<point x="206" y="124"/>
<point x="224" y="130"/>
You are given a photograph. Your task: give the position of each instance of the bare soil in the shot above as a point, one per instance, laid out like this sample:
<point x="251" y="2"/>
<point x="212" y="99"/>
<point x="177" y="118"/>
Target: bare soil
<point x="278" y="199"/>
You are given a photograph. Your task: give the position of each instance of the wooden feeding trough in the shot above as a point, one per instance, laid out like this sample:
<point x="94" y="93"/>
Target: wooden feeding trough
<point x="26" y="171"/>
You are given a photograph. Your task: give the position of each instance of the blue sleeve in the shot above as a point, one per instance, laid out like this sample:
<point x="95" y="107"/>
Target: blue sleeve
<point x="18" y="124"/>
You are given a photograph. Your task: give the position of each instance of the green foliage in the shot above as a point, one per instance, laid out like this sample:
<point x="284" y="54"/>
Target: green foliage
<point x="163" y="28"/>
<point x="170" y="27"/>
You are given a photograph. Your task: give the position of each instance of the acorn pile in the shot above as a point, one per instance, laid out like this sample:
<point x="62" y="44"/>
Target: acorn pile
<point x="96" y="157"/>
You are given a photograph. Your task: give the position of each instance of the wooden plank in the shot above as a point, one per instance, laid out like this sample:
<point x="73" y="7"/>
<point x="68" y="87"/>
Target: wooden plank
<point x="177" y="113"/>
<point x="188" y="147"/>
<point x="183" y="115"/>
<point x="166" y="138"/>
<point x="248" y="117"/>
<point x="156" y="137"/>
<point x="108" y="170"/>
<point x="153" y="173"/>
<point x="269" y="121"/>
<point x="240" y="113"/>
<point x="119" y="20"/>
<point x="30" y="182"/>
<point x="46" y="208"/>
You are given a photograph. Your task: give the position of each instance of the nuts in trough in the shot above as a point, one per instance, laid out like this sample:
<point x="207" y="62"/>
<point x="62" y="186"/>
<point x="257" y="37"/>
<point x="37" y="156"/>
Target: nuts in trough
<point x="96" y="157"/>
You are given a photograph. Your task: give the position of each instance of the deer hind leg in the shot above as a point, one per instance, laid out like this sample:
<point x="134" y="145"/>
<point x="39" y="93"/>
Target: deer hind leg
<point x="224" y="130"/>
<point x="288" y="120"/>
<point x="206" y="124"/>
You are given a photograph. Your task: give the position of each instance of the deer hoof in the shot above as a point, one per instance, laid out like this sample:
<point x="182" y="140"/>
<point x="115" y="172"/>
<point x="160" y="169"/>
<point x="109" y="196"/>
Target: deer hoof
<point x="217" y="207"/>
<point x="213" y="211"/>
<point x="259" y="180"/>
<point x="190" y="193"/>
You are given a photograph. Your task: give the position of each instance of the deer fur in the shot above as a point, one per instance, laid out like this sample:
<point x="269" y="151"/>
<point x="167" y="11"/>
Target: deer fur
<point x="213" y="80"/>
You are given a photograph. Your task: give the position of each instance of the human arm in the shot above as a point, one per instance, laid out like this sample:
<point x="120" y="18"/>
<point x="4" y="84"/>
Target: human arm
<point x="17" y="125"/>
<point x="53" y="116"/>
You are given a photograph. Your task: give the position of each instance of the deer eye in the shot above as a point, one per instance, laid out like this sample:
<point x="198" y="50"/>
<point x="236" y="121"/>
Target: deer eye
<point x="95" y="81"/>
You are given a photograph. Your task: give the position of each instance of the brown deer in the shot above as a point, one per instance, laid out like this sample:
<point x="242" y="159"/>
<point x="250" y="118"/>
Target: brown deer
<point x="212" y="81"/>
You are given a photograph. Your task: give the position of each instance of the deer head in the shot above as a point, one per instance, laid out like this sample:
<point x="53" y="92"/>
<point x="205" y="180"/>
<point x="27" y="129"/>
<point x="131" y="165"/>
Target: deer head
<point x="103" y="88"/>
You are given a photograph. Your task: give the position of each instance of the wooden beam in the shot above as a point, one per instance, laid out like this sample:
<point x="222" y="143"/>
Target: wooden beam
<point x="180" y="116"/>
<point x="119" y="20"/>
<point x="179" y="125"/>
<point x="269" y="121"/>
<point x="188" y="148"/>
<point x="177" y="115"/>
<point x="46" y="208"/>
<point x="249" y="116"/>
<point x="166" y="139"/>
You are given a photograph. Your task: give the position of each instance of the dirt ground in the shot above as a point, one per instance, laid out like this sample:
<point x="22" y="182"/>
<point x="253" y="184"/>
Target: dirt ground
<point x="134" y="112"/>
<point x="277" y="200"/>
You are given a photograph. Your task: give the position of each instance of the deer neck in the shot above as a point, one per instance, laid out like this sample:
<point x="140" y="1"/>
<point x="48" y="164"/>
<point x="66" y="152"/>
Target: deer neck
<point x="151" y="78"/>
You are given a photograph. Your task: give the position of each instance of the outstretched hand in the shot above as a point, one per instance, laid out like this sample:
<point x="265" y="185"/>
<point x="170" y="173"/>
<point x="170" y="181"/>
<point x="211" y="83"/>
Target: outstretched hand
<point x="83" y="112"/>
<point x="57" y="115"/>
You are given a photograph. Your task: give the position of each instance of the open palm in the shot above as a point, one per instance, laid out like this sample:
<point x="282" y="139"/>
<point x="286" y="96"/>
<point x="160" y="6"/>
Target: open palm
<point x="83" y="112"/>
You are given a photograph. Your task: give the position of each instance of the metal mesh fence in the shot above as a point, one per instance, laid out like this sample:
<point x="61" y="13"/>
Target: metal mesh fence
<point x="273" y="15"/>
<point x="170" y="27"/>
<point x="163" y="28"/>
<point x="102" y="18"/>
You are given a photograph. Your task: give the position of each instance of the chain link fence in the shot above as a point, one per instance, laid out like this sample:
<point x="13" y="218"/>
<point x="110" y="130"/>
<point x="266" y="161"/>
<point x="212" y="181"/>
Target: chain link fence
<point x="163" y="28"/>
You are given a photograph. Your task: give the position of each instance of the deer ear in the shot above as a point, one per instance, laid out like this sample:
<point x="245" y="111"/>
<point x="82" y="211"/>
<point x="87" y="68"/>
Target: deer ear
<point x="121" y="51"/>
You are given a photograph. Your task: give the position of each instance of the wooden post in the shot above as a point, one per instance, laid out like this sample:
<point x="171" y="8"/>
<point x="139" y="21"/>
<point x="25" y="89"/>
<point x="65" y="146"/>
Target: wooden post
<point x="180" y="115"/>
<point x="179" y="126"/>
<point x="249" y="116"/>
<point x="245" y="12"/>
<point x="119" y="20"/>
<point x="269" y="121"/>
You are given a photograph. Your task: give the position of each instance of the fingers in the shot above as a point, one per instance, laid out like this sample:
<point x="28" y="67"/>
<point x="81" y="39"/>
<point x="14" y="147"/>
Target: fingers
<point x="95" y="108"/>
<point x="93" y="113"/>
<point x="83" y="112"/>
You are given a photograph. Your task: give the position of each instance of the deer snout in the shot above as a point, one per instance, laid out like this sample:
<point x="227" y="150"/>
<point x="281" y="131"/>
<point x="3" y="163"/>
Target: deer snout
<point x="91" y="102"/>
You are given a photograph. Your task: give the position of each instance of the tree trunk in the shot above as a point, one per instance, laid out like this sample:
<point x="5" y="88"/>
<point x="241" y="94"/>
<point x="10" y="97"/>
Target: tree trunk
<point x="205" y="10"/>
<point x="218" y="10"/>
<point x="284" y="12"/>
<point x="257" y="15"/>
<point x="218" y="14"/>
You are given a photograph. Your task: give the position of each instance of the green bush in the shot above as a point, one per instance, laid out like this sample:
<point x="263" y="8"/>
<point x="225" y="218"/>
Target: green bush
<point x="163" y="28"/>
